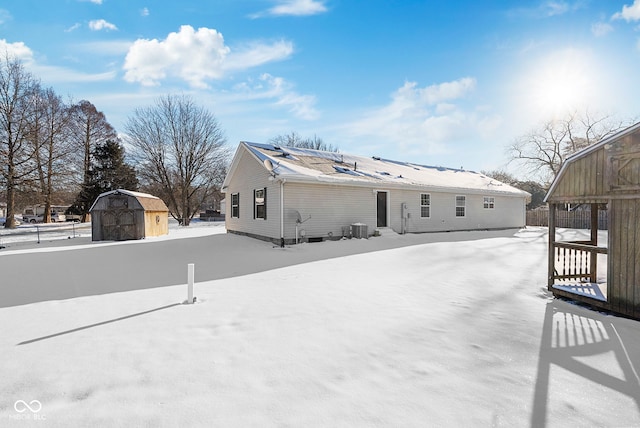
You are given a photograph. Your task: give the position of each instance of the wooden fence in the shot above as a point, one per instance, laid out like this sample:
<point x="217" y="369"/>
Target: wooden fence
<point x="579" y="219"/>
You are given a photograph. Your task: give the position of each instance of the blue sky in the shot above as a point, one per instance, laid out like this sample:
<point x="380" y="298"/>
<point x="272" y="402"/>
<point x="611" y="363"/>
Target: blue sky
<point x="433" y="82"/>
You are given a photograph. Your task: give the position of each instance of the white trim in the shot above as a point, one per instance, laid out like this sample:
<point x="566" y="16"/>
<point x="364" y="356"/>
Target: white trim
<point x="387" y="205"/>
<point x="238" y="205"/>
<point x="461" y="206"/>
<point x="427" y="206"/>
<point x="491" y="203"/>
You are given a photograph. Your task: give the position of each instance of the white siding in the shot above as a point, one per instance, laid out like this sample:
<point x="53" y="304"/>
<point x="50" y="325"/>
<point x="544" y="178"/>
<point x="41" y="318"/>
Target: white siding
<point x="330" y="207"/>
<point x="251" y="175"/>
<point x="333" y="206"/>
<point x="508" y="212"/>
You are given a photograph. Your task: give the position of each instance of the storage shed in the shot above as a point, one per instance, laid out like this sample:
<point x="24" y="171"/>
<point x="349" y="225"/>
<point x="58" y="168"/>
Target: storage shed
<point x="605" y="175"/>
<point x="120" y="215"/>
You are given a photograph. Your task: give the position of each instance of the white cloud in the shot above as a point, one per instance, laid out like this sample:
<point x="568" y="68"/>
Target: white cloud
<point x="553" y="8"/>
<point x="629" y="13"/>
<point x="73" y="27"/>
<point x="600" y="29"/>
<point x="106" y="47"/>
<point x="4" y="16"/>
<point x="294" y="8"/>
<point x="22" y="52"/>
<point x="547" y="9"/>
<point x="17" y="50"/>
<point x="256" y="54"/>
<point x="279" y="93"/>
<point x="446" y="91"/>
<point x="424" y="119"/>
<point x="194" y="56"/>
<point x="298" y="7"/>
<point x="144" y="11"/>
<point x="101" y="24"/>
<point x="61" y="74"/>
<point x="92" y="1"/>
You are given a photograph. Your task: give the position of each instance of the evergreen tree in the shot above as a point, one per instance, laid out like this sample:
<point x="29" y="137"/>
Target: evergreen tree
<point x="109" y="172"/>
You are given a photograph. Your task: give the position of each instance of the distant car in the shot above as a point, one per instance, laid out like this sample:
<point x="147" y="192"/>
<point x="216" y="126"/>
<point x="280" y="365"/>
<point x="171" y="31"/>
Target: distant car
<point x="3" y="221"/>
<point x="30" y="217"/>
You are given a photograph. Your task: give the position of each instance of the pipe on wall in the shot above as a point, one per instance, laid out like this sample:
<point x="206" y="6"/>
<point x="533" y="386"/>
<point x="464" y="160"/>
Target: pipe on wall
<point x="282" y="181"/>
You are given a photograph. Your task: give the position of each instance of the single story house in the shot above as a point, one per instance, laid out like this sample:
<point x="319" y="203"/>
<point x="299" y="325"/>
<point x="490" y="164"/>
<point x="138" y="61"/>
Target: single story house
<point x="605" y="175"/>
<point x="288" y="195"/>
<point x="121" y="214"/>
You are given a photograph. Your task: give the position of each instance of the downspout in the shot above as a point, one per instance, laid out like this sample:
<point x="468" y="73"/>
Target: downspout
<point x="281" y="213"/>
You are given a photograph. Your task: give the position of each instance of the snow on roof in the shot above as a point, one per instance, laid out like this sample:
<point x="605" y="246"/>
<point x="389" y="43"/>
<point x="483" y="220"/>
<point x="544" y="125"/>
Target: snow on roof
<point x="298" y="164"/>
<point x="155" y="205"/>
<point x="129" y="193"/>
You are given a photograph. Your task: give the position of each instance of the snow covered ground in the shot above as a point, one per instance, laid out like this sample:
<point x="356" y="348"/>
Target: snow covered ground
<point x="450" y="329"/>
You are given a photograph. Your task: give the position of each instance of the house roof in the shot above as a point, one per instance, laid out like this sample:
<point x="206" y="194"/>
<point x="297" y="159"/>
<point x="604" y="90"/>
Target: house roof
<point x="306" y="165"/>
<point x="148" y="202"/>
<point x="585" y="152"/>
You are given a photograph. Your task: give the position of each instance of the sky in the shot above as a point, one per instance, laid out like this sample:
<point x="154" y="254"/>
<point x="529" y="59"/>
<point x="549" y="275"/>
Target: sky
<point x="437" y="83"/>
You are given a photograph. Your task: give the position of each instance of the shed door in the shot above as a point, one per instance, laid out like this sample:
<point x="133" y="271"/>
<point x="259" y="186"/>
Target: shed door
<point x="382" y="209"/>
<point x="118" y="225"/>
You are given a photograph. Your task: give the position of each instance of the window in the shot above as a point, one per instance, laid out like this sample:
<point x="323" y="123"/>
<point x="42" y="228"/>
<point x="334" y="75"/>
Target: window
<point x="489" y="202"/>
<point x="260" y="203"/>
<point x="235" y="205"/>
<point x="425" y="205"/>
<point x="461" y="202"/>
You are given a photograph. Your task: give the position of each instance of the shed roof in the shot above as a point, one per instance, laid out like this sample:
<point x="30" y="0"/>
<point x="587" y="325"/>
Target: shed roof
<point x="306" y="165"/>
<point x="581" y="154"/>
<point x="147" y="201"/>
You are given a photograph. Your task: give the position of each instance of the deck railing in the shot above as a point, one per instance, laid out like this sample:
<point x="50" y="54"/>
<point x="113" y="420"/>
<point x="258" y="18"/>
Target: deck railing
<point x="576" y="261"/>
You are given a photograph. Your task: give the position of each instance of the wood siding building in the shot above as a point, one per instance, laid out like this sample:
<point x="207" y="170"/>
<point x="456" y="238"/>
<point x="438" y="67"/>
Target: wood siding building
<point x="121" y="215"/>
<point x="289" y="195"/>
<point x="605" y="174"/>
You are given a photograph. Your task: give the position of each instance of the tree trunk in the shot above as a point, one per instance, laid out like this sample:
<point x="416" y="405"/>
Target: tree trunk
<point x="10" y="223"/>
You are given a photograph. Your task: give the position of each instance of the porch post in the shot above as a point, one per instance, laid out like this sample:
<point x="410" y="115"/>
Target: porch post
<point x="552" y="243"/>
<point x="594" y="224"/>
<point x="593" y="261"/>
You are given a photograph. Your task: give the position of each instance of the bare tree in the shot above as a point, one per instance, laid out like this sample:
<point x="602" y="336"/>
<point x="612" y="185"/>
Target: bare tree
<point x="17" y="91"/>
<point x="543" y="151"/>
<point x="294" y="139"/>
<point x="89" y="128"/>
<point x="49" y="136"/>
<point x="535" y="189"/>
<point x="180" y="152"/>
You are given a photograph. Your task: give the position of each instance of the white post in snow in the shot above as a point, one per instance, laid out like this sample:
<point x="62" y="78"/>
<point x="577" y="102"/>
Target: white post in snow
<point x="190" y="275"/>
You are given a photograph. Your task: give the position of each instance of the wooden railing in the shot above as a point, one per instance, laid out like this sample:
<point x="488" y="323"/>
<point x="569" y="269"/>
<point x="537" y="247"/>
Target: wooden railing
<point x="576" y="261"/>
